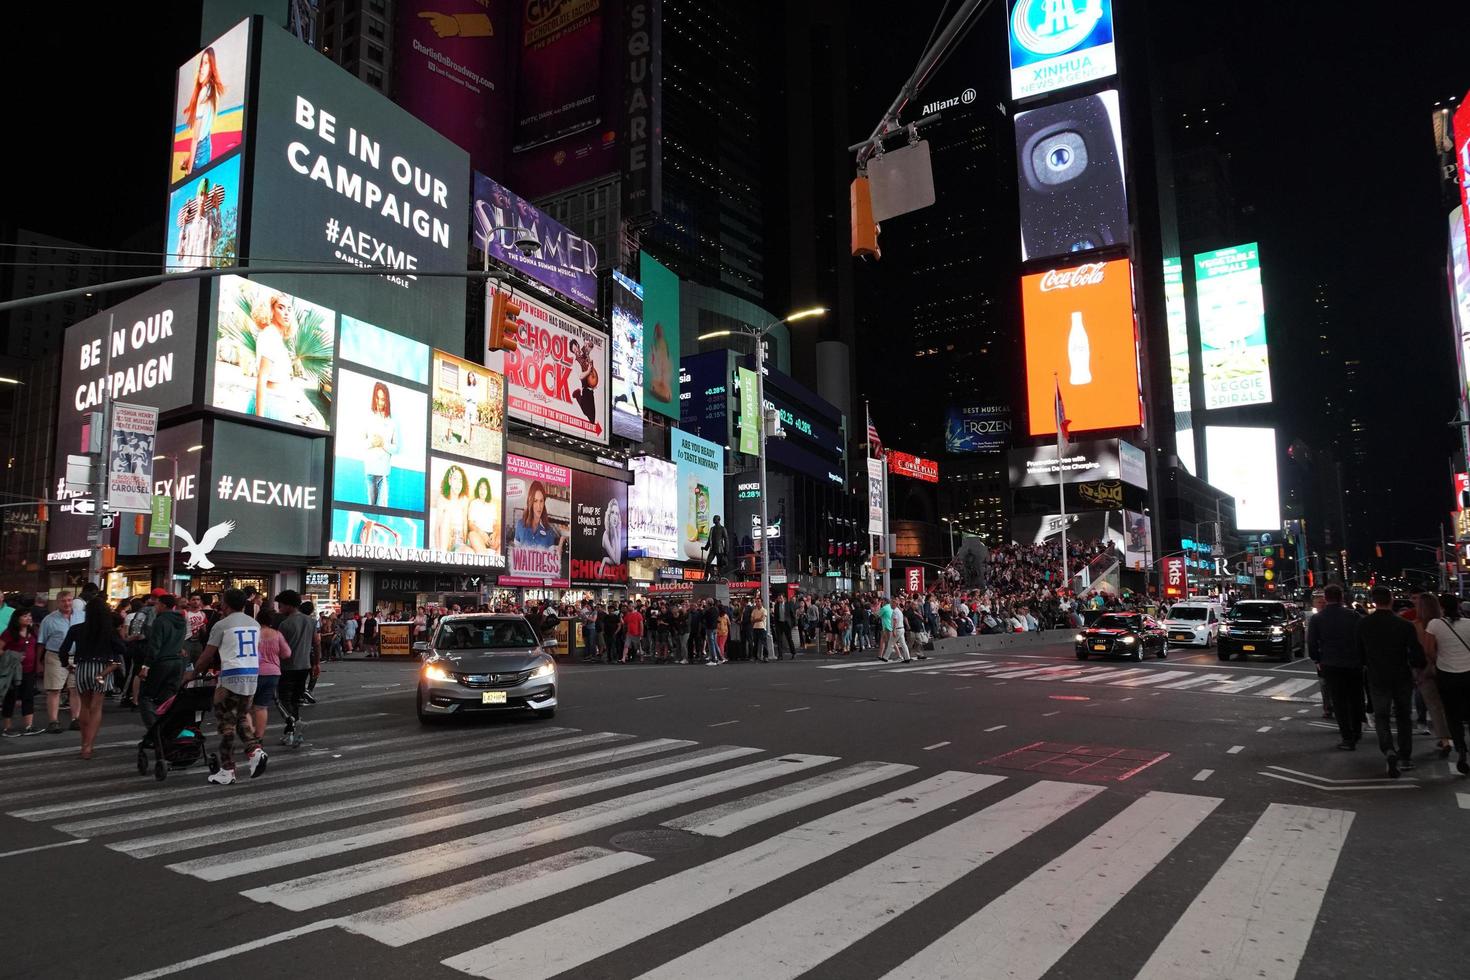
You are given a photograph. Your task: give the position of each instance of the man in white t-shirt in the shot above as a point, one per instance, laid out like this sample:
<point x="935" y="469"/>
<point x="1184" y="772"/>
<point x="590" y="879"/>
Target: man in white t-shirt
<point x="234" y="644"/>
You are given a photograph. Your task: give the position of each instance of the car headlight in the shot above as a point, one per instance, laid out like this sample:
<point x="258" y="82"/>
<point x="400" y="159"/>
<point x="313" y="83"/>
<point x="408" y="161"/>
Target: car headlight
<point x="1277" y="631"/>
<point x="1224" y="630"/>
<point x="1079" y="638"/>
<point x="545" y="670"/>
<point x="1130" y="639"/>
<point x="436" y="673"/>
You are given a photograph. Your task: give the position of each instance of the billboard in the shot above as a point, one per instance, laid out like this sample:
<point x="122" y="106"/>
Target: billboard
<point x="465" y="508"/>
<point x="704" y="395"/>
<point x="380" y="537"/>
<point x="130" y="458"/>
<point x="875" y="496"/>
<point x="273" y="355"/>
<point x="1137" y="541"/>
<point x="750" y="414"/>
<point x="383" y="350"/>
<point x="1232" y="327"/>
<point x="599" y="534"/>
<point x="380" y="452"/>
<point x="1242" y="462"/>
<point x="701" y="489"/>
<point x="538" y="519"/>
<point x="660" y="336"/>
<point x="555" y="379"/>
<point x="565" y="262"/>
<point x="915" y="467"/>
<point x="203" y="219"/>
<point x="467" y="410"/>
<point x="1059" y="43"/>
<point x="1461" y="126"/>
<point x="342" y="176"/>
<point x="1101" y="526"/>
<point x="1080" y="335"/>
<point x="559" y="84"/>
<point x="977" y="428"/>
<point x="174" y="444"/>
<point x="265" y="495"/>
<point x="449" y="69"/>
<point x="1069" y="164"/>
<point x="653" y="507"/>
<point x="1176" y="578"/>
<point x="209" y="104"/>
<point x="627" y="357"/>
<point x="1460" y="295"/>
<point x="1085" y="462"/>
<point x="1177" y="319"/>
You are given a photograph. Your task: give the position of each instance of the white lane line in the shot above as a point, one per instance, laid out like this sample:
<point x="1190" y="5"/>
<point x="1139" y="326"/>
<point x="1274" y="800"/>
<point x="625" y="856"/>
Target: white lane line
<point x="418" y="795"/>
<point x="1286" y="688"/>
<point x="932" y="668"/>
<point x="1255" y="916"/>
<point x="1338" y="789"/>
<point x="1108" y="676"/>
<point x="1287" y="718"/>
<point x="649" y="697"/>
<point x="963" y="687"/>
<point x="561" y="944"/>
<point x="1048" y="714"/>
<point x="1027" y="672"/>
<point x="1234" y="750"/>
<point x="42" y="847"/>
<point x="936" y="745"/>
<point x="1239" y="686"/>
<point x="224" y="954"/>
<point x="995" y="728"/>
<point x="1195" y="681"/>
<point x="1462" y="798"/>
<point x="1263" y="729"/>
<point x="1153" y="678"/>
<point x="791" y="940"/>
<point x="1121" y="700"/>
<point x="432" y="913"/>
<point x="1304" y="711"/>
<point x="229" y="864"/>
<point x="727" y="818"/>
<point x="1203" y="774"/>
<point x="1023" y="933"/>
<point x="722" y="724"/>
<point x="326" y="887"/>
<point x="790" y="710"/>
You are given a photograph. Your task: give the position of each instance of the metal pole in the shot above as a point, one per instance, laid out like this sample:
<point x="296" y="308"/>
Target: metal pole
<point x="173" y="501"/>
<point x="99" y="477"/>
<point x="760" y="399"/>
<point x="887" y="551"/>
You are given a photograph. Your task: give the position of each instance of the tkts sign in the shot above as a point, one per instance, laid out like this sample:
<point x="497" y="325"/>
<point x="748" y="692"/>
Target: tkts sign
<point x="902" y="464"/>
<point x="1175" y="584"/>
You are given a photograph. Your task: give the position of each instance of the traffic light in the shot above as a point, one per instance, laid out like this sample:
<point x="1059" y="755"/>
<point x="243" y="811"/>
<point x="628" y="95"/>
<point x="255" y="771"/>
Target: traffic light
<point x="109" y="557"/>
<point x="1378" y="550"/>
<point x="505" y="316"/>
<point x="864" y="228"/>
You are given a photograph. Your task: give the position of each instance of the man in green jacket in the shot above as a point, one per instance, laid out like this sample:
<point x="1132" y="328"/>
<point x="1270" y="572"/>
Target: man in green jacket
<point x="162" y="670"/>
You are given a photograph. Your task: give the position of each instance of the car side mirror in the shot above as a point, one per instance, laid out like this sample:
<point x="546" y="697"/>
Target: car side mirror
<point x="549" y="643"/>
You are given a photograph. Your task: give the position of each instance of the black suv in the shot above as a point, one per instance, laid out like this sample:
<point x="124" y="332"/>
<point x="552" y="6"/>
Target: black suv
<point x="1263" y="627"/>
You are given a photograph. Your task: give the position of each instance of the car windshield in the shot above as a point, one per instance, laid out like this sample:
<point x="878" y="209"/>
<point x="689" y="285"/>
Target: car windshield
<point x="1188" y="612"/>
<point x="485" y="634"/>
<point x="1117" y="622"/>
<point x="1271" y="612"/>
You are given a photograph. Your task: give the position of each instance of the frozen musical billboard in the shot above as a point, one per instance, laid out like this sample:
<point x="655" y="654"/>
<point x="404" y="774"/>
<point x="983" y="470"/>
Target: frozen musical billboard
<point x="1080" y="336"/>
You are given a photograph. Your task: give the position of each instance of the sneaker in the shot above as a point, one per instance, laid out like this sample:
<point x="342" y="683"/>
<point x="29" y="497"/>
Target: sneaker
<point x="222" y="777"/>
<point x="1347" y="746"/>
<point x="297" y="740"/>
<point x="75" y="726"/>
<point x="1406" y="765"/>
<point x="32" y="730"/>
<point x="1393" y="767"/>
<point x="10" y="733"/>
<point x="307" y="699"/>
<point x="1424" y="728"/>
<point x="53" y="728"/>
<point x="258" y="759"/>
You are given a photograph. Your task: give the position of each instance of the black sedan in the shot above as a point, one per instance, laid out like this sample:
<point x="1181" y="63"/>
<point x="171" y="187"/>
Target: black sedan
<point x="1131" y="635"/>
<point x="1263" y="628"/>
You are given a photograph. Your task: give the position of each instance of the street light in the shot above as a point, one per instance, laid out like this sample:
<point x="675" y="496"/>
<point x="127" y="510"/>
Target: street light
<point x="759" y="337"/>
<point x="173" y="489"/>
<point x="952" y="528"/>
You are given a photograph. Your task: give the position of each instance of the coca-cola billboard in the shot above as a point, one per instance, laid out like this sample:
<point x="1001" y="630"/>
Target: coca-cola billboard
<point x="1090" y="274"/>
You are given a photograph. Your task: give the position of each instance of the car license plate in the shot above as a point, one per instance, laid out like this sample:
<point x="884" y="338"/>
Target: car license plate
<point x="492" y="697"/>
<point x="1182" y="636"/>
<point x="1249" y="648"/>
<point x="1099" y="646"/>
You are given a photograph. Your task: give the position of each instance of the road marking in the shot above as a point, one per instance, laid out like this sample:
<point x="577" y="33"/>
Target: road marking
<point x="45" y="847"/>
<point x="1203" y="774"/>
<point x="1398" y="784"/>
<point x="555" y="946"/>
<point x="1304" y="711"/>
<point x="1287" y="718"/>
<point x="1234" y="750"/>
<point x="1240" y="685"/>
<point x="1263" y="729"/>
<point x="1121" y="700"/>
<point x="1153" y="678"/>
<point x="224" y="954"/>
<point x="650" y="697"/>
<point x="1048" y="714"/>
<point x="1462" y="798"/>
<point x="789" y="941"/>
<point x="1287" y="688"/>
<point x="1195" y="681"/>
<point x="963" y="687"/>
<point x="1328" y="779"/>
<point x="936" y="745"/>
<point x="1023" y="933"/>
<point x="1255" y="916"/>
<point x="722" y="724"/>
<point x="995" y="728"/>
<point x="1108" y="676"/>
<point x="805" y="708"/>
<point x="727" y="818"/>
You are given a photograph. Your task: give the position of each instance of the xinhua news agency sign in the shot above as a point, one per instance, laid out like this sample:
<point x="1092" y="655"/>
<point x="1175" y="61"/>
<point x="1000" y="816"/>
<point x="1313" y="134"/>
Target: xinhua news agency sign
<point x="916" y="467"/>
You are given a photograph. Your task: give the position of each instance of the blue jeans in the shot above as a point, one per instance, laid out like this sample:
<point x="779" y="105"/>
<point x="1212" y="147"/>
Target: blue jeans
<point x="713" y="653"/>
<point x="377" y="490"/>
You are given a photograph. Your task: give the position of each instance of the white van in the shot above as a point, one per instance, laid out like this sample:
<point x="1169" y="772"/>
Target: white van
<point x="1194" y="622"/>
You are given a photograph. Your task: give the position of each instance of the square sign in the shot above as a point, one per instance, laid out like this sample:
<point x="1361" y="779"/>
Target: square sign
<point x="1056" y="44"/>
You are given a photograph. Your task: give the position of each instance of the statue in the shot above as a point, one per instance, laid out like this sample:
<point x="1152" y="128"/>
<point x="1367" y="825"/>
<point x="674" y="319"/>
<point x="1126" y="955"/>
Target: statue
<point x="716" y="549"/>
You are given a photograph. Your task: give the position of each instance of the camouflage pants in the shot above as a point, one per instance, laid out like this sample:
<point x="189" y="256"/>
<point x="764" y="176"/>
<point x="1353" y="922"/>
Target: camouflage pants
<point x="231" y="712"/>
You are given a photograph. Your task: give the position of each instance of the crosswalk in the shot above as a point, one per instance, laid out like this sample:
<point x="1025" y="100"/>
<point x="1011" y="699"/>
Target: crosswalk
<point x="806" y="859"/>
<point x="1157" y="675"/>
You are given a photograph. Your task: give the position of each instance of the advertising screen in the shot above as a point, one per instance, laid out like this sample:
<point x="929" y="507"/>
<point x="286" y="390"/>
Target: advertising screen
<point x="273" y="355"/>
<point x="1058" y="44"/>
<point x="465" y="508"/>
<point x="1461" y="125"/>
<point x="1232" y="327"/>
<point x="627" y="357"/>
<point x="875" y="496"/>
<point x="1460" y="298"/>
<point x="557" y="378"/>
<point x="599" y="534"/>
<point x="977" y="428"/>
<point x="265" y="495"/>
<point x="915" y="467"/>
<point x="704" y="395"/>
<point x="209" y="104"/>
<point x="701" y="484"/>
<point x="1085" y="462"/>
<point x="1137" y="541"/>
<point x="1105" y="526"/>
<point x="565" y="261"/>
<point x="380" y="450"/>
<point x="467" y="410"/>
<point x="383" y="350"/>
<point x="538" y="519"/>
<point x="342" y="176"/>
<point x="1176" y="315"/>
<point x="1069" y="162"/>
<point x="653" y="507"/>
<point x="1080" y="334"/>
<point x="356" y="534"/>
<point x="660" y="336"/>
<point x="559" y="87"/>
<point x="203" y="219"/>
<point x="1242" y="462"/>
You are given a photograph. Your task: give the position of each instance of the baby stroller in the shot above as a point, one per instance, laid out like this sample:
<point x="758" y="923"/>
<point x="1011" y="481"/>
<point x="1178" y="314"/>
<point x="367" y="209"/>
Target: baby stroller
<point x="176" y="739"/>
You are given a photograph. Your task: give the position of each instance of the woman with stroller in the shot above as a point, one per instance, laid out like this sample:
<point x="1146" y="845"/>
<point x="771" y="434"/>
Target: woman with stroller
<point x="93" y="652"/>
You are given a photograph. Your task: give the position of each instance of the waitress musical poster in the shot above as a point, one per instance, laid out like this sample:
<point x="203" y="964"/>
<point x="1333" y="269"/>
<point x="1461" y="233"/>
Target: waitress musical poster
<point x="538" y="523"/>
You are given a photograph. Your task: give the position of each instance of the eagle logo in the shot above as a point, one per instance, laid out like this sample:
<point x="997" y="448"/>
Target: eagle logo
<point x="197" y="554"/>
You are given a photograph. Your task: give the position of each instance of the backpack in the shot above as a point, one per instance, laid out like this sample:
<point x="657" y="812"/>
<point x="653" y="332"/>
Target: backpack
<point x="137" y="626"/>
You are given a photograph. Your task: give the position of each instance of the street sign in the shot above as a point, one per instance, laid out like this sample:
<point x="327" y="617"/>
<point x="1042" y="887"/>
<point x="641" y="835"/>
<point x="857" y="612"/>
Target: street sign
<point x="913" y="578"/>
<point x="109" y="521"/>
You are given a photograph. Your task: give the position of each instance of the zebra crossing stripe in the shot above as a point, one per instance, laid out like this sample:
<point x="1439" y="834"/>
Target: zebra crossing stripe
<point x="1196" y="681"/>
<point x="561" y="944"/>
<point x="1023" y="933"/>
<point x="789" y="941"/>
<point x="1108" y="676"/>
<point x="1255" y="916"/>
<point x="727" y="818"/>
<point x="1027" y="672"/>
<point x="928" y="668"/>
<point x="1287" y="688"/>
<point x="326" y="887"/>
<point x="1239" y="685"/>
<point x="1153" y="678"/>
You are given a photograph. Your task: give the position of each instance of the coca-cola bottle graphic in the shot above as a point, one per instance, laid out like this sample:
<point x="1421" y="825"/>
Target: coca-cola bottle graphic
<point x="1079" y="352"/>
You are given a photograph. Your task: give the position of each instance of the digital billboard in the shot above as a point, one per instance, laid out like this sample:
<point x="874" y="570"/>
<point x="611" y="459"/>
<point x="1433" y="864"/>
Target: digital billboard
<point x="704" y="395"/>
<point x="1232" y="327"/>
<point x="273" y="355"/>
<point x="1461" y="126"/>
<point x="266" y="493"/>
<point x="203" y="219"/>
<point x="1137" y="541"/>
<point x="1459" y="259"/>
<point x="557" y="377"/>
<point x="380" y="451"/>
<point x="1085" y="462"/>
<point x="660" y="336"/>
<point x="467" y="410"/>
<point x="1080" y="335"/>
<point x="1069" y="164"/>
<point x="383" y="350"/>
<point x="1104" y="526"/>
<point x="209" y="104"/>
<point x="1242" y="462"/>
<point x="173" y="444"/>
<point x="465" y="508"/>
<point x="977" y="428"/>
<point x="386" y="537"/>
<point x="558" y="90"/>
<point x="1059" y="43"/>
<point x="538" y="520"/>
<point x="1176" y="317"/>
<point x="915" y="467"/>
<point x="599" y="531"/>
<point x="653" y="507"/>
<point x="627" y="357"/>
<point x="701" y="483"/>
<point x="565" y="262"/>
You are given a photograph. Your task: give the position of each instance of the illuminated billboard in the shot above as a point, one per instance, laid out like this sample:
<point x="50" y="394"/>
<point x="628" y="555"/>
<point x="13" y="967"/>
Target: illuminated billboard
<point x="701" y="485"/>
<point x="465" y="508"/>
<point x="449" y="69"/>
<point x="1080" y="336"/>
<point x="1232" y="327"/>
<point x="661" y="336"/>
<point x="538" y="522"/>
<point x="653" y="507"/>
<point x="1059" y="43"/>
<point x="467" y="410"/>
<point x="977" y="428"/>
<point x="380" y="451"/>
<point x="599" y="539"/>
<point x="1461" y="126"/>
<point x="1069" y="166"/>
<point x="1460" y="295"/>
<point x="273" y="355"/>
<point x="1176" y="316"/>
<point x="209" y="104"/>
<point x="1242" y="462"/>
<point x="556" y="379"/>
<point x="627" y="357"/>
<point x="564" y="262"/>
<point x="203" y="219"/>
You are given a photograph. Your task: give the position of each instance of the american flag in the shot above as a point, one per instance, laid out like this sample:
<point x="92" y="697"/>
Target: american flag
<point x="1064" y="424"/>
<point x="875" y="445"/>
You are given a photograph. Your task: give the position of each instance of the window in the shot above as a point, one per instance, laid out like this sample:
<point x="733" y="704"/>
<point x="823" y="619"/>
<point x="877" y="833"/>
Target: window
<point x="375" y="53"/>
<point x="375" y="28"/>
<point x="374" y="77"/>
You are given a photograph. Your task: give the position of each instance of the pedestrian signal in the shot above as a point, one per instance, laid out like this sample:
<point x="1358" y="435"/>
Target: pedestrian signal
<point x="505" y="322"/>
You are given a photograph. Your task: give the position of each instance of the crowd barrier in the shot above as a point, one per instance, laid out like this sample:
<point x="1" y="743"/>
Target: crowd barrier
<point x="1003" y="641"/>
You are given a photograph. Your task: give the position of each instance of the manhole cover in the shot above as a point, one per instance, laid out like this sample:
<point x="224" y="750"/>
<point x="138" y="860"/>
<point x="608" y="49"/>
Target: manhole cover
<point x="1078" y="761"/>
<point x="658" y="840"/>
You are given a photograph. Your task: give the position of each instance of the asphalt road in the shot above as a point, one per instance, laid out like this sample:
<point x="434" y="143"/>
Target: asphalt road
<point x="967" y="816"/>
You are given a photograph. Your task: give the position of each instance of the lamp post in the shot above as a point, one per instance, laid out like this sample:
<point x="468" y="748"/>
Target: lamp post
<point x="173" y="501"/>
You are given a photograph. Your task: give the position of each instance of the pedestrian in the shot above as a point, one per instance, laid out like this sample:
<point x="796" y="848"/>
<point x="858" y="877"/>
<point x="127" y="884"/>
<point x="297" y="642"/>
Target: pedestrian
<point x="350" y="626"/>
<point x="20" y="671"/>
<point x="274" y="651"/>
<point x="710" y="617"/>
<point x="633" y="633"/>
<point x="884" y="614"/>
<point x="722" y="635"/>
<point x="1450" y="653"/>
<point x="1426" y="684"/>
<point x="758" y="630"/>
<point x="54" y="676"/>
<point x="1392" y="653"/>
<point x="370" y="634"/>
<point x="679" y="622"/>
<point x="300" y="633"/>
<point x="161" y="671"/>
<point x="91" y="654"/>
<point x="234" y="647"/>
<point x="1319" y="600"/>
<point x="736" y="642"/>
<point x="1332" y="643"/>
